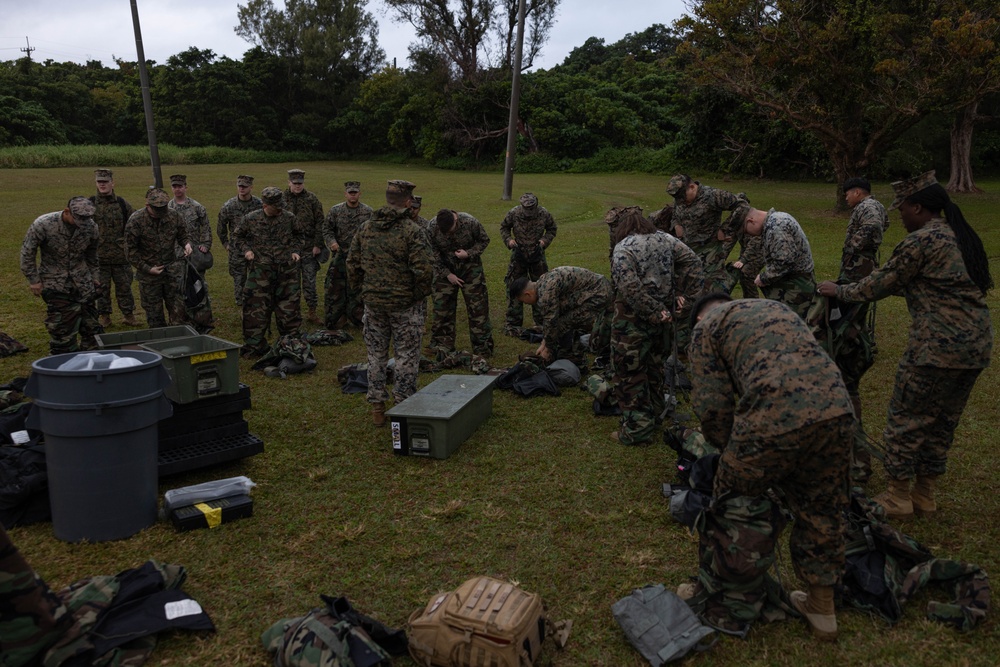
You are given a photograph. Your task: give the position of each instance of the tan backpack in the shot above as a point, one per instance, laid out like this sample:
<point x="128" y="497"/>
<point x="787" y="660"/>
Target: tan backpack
<point x="484" y="623"/>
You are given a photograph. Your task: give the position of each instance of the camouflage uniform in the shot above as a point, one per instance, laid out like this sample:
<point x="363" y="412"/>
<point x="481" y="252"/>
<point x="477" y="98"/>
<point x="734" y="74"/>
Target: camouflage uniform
<point x="230" y="216"/>
<point x="950" y="342"/>
<point x="574" y="301"/>
<point x="771" y="399"/>
<point x="272" y="276"/>
<point x="151" y="242"/>
<point x="341" y="305"/>
<point x="308" y="212"/>
<point x="649" y="272"/>
<point x="111" y="215"/>
<point x="854" y="355"/>
<point x="532" y="228"/>
<point x="611" y="219"/>
<point x="469" y="235"/>
<point x="195" y="218"/>
<point x="788" y="272"/>
<point x="701" y="221"/>
<point x="32" y="616"/>
<point x="752" y="256"/>
<point x="69" y="275"/>
<point x="391" y="267"/>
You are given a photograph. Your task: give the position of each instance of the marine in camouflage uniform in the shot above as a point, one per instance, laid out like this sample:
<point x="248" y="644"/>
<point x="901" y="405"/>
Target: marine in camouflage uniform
<point x="750" y="263"/>
<point x="111" y="214"/>
<point x="950" y="339"/>
<point x="342" y="306"/>
<point x="649" y="271"/>
<point x="270" y="240"/>
<point x="853" y="348"/>
<point x="527" y="230"/>
<point x="697" y="220"/>
<point x="572" y="301"/>
<point x="67" y="276"/>
<point x="458" y="266"/>
<point x="230" y="216"/>
<point x="788" y="264"/>
<point x="151" y="235"/>
<point x="774" y="403"/>
<point x="308" y="211"/>
<point x="612" y="218"/>
<point x="195" y="218"/>
<point x="391" y="267"/>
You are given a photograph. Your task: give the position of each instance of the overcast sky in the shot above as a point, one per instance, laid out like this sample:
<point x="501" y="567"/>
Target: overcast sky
<point x="81" y="30"/>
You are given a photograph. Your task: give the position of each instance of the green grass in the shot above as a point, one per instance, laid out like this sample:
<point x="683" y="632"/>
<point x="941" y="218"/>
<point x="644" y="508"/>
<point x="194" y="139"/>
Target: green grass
<point x="539" y="495"/>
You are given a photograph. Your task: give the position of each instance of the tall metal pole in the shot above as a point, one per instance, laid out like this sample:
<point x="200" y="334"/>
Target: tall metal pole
<point x="515" y="100"/>
<point x="147" y="101"/>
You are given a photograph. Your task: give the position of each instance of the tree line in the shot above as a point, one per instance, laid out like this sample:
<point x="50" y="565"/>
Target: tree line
<point x="822" y="89"/>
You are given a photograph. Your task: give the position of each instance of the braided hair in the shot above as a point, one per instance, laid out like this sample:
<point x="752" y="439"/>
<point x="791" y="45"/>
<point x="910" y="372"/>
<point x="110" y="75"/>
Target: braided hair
<point x="935" y="199"/>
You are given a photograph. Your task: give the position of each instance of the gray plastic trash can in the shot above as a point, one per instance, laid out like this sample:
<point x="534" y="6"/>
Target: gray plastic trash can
<point x="100" y="432"/>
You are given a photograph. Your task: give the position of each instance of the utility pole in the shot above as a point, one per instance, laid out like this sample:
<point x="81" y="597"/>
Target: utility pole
<point x="147" y="100"/>
<point x="515" y="100"/>
<point x="27" y="51"/>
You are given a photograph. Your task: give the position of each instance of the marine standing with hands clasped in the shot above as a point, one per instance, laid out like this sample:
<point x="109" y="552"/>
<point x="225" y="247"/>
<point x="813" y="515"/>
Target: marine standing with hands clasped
<point x="270" y="240"/>
<point x="527" y="229"/>
<point x="308" y="211"/>
<point x="341" y="304"/>
<point x="111" y="213"/>
<point x="230" y="216"/>
<point x="390" y="266"/>
<point x="151" y="235"/>
<point x="942" y="270"/>
<point x="67" y="277"/>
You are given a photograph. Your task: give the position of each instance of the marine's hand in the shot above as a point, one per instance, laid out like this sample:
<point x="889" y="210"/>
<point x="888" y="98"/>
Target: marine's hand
<point x="36" y="289"/>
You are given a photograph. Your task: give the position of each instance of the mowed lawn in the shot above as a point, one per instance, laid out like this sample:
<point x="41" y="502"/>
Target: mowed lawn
<point x="540" y="495"/>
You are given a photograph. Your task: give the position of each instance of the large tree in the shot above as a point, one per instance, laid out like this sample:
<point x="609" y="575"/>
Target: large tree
<point x="330" y="47"/>
<point x="477" y="35"/>
<point x="855" y="74"/>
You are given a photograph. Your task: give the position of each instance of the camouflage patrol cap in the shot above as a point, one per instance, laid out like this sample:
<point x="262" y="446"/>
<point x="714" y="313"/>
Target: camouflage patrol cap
<point x="244" y="180"/>
<point x="178" y="179"/>
<point x="272" y="196"/>
<point x="157" y="198"/>
<point x="911" y="186"/>
<point x="616" y="213"/>
<point x="677" y="184"/>
<point x="528" y="200"/>
<point x="352" y="186"/>
<point x="399" y="191"/>
<point x="81" y="207"/>
<point x="102" y="175"/>
<point x="296" y="176"/>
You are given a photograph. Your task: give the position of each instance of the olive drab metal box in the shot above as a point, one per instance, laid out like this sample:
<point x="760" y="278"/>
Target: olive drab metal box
<point x="441" y="416"/>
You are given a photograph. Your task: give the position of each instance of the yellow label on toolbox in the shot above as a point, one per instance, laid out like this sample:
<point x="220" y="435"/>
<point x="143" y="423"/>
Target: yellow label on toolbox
<point x="213" y="515"/>
<point x="208" y="356"/>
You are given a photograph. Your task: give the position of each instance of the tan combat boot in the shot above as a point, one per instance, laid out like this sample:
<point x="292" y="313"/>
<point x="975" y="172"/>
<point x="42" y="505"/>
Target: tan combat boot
<point x="105" y="321"/>
<point x="130" y="320"/>
<point x="923" y="495"/>
<point x="896" y="499"/>
<point x="817" y="608"/>
<point x="378" y="414"/>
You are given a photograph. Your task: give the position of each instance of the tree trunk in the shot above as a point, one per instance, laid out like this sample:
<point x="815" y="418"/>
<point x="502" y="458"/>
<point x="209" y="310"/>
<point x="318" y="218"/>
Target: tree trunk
<point x="961" y="179"/>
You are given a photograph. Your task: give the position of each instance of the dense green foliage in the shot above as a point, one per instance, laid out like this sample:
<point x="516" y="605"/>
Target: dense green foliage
<point x="657" y="100"/>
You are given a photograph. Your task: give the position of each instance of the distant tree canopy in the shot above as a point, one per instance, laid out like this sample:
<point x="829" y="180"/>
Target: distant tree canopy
<point x="779" y="89"/>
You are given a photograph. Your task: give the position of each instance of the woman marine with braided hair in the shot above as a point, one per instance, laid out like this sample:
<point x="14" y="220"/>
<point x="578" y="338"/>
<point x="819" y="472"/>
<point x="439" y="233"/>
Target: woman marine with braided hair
<point x="942" y="270"/>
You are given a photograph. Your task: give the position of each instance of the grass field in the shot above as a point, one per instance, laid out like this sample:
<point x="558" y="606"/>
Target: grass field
<point x="539" y="495"/>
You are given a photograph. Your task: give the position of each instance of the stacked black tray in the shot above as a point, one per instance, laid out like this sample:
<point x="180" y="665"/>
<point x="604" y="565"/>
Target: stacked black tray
<point x="206" y="432"/>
